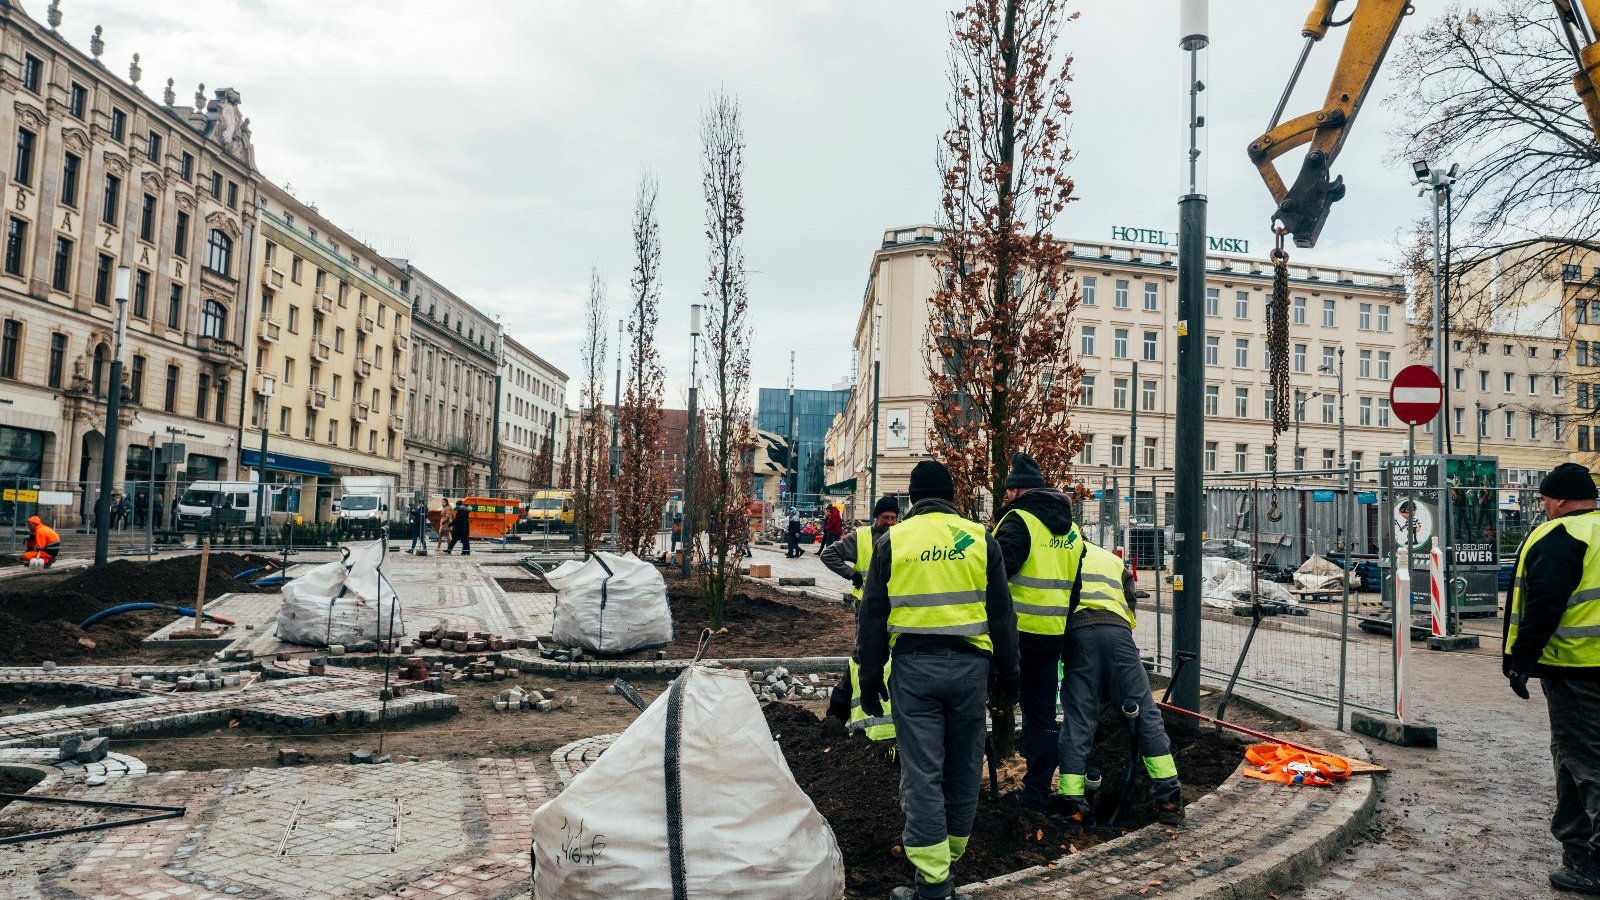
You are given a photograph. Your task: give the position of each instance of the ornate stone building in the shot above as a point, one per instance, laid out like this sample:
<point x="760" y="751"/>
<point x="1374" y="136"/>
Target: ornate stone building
<point x="98" y="174"/>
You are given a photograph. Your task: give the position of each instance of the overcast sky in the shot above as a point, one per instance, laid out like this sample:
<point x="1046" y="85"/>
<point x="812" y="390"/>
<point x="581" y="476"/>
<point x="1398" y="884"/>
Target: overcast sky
<point x="498" y="144"/>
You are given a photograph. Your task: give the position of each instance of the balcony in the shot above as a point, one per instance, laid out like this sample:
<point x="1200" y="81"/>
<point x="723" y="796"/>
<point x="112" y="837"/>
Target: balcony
<point x="270" y="330"/>
<point x="321" y="348"/>
<point x="367" y="324"/>
<point x="399" y="378"/>
<point x="265" y="384"/>
<point x="358" y="411"/>
<point x="317" y="398"/>
<point x="218" y="350"/>
<point x="324" y="303"/>
<point x="397" y="422"/>
<point x="364" y="367"/>
<point x="402" y="342"/>
<point x="271" y="276"/>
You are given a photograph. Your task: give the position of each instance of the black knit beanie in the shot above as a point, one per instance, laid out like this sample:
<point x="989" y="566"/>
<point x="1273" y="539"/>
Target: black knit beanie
<point x="1568" y="481"/>
<point x="930" y="480"/>
<point x="1024" y="473"/>
<point x="885" y="504"/>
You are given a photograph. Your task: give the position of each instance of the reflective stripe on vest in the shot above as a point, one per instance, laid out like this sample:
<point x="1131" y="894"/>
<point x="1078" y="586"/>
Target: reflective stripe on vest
<point x="1041" y="591"/>
<point x="938" y="578"/>
<point x="877" y="728"/>
<point x="1102" y="584"/>
<point x="1573" y="645"/>
<point x="863" y="558"/>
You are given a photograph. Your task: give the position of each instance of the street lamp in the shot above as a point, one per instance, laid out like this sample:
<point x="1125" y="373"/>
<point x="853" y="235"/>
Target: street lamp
<point x="108" y="454"/>
<point x="695" y="311"/>
<point x="1300" y="413"/>
<point x="1438" y="181"/>
<point x="1329" y="370"/>
<point x="1483" y="422"/>
<point x="267" y="386"/>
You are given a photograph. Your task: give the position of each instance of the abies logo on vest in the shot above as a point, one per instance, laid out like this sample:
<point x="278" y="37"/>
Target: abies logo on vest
<point x="958" y="550"/>
<point x="1063" y="541"/>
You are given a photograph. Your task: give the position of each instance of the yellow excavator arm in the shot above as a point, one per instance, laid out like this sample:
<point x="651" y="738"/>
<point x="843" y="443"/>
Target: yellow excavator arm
<point x="1373" y="24"/>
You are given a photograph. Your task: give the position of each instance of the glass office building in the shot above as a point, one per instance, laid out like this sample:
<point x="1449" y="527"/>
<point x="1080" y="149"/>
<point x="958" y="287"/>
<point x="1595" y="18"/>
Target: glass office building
<point x="813" y="413"/>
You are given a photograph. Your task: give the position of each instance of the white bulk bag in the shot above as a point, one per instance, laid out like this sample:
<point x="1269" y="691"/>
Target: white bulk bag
<point x="342" y="602"/>
<point x="747" y="830"/>
<point x="610" y="604"/>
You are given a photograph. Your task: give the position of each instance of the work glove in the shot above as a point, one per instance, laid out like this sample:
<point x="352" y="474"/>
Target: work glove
<point x="874" y="693"/>
<point x="839" y="705"/>
<point x="858" y="579"/>
<point x="1519" y="683"/>
<point x="1004" y="692"/>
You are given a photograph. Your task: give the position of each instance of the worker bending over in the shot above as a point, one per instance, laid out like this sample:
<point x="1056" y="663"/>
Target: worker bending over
<point x="849" y="558"/>
<point x="1042" y="547"/>
<point x="935" y="598"/>
<point x="1102" y="664"/>
<point x="43" y="543"/>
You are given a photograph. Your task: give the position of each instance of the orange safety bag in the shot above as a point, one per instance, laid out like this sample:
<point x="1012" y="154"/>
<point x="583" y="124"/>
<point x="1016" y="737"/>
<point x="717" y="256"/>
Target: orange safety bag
<point x="1284" y="764"/>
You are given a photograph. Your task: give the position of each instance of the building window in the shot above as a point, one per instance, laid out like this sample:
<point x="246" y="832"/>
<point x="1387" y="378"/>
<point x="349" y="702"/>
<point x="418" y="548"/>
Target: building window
<point x="71" y="168"/>
<point x="1383" y="412"/>
<point x="1533" y="385"/>
<point x="1269" y="405"/>
<point x="1364" y="367"/>
<point x="1211" y="456"/>
<point x="1087" y="340"/>
<point x="233" y="195"/>
<point x="294" y="272"/>
<point x="97" y="370"/>
<point x="10" y="347"/>
<point x="1213" y="399"/>
<point x="1213" y="350"/>
<point x="16" y="245"/>
<point x="112" y="200"/>
<point x="147" y="219"/>
<point x="219" y="252"/>
<point x="214" y="321"/>
<point x="1327" y="312"/>
<point x="202" y="397"/>
<point x="1383" y="317"/>
<point x="1299" y="357"/>
<point x="283" y="419"/>
<point x="1086" y="451"/>
<point x="1533" y="426"/>
<point x="1365" y="416"/>
<point x="1583" y="438"/>
<point x="216" y="185"/>
<point x="1120" y="300"/>
<point x="102" y="279"/>
<point x="1241" y="457"/>
<point x="119" y="124"/>
<point x="1299" y="311"/>
<point x="1086" y="393"/>
<point x="1299" y="406"/>
<point x="58" y="358"/>
<point x="1087" y="293"/>
<point x="175" y="307"/>
<point x="1119" y="343"/>
<point x="141" y="293"/>
<point x="1557" y="385"/>
<point x="180" y="237"/>
<point x="152" y="147"/>
<point x="78" y="101"/>
<point x="1150" y="338"/>
<point x="1558" y="422"/>
<point x="1152" y="297"/>
<point x="1150" y="455"/>
<point x="1364" y="316"/>
<point x="32" y="67"/>
<point x="1119" y="450"/>
<point x="294" y="320"/>
<point x="1510" y="424"/>
<point x="1327" y="359"/>
<point x="61" y="272"/>
<point x="1506" y="382"/>
<point x="186" y="165"/>
<point x="1583" y="395"/>
<point x="1327" y="409"/>
<point x="1483" y="381"/>
<point x="22" y="171"/>
<point x="1119" y="393"/>
<point x="136" y="380"/>
<point x="1213" y="301"/>
<point x="1383" y="364"/>
<point x="1241" y="305"/>
<point x="1147" y="396"/>
<point x="1241" y="402"/>
<point x="1241" y="352"/>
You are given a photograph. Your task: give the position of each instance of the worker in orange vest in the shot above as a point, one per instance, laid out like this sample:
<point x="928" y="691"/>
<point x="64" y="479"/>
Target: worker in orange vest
<point x="44" y="543"/>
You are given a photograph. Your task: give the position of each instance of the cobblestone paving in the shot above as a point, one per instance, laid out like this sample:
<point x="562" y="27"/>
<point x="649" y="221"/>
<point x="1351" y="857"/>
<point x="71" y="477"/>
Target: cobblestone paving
<point x="114" y="766"/>
<point x="418" y="831"/>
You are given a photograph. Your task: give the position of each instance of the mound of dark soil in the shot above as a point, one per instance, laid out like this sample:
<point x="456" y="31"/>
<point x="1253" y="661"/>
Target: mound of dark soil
<point x="7" y="559"/>
<point x="18" y="781"/>
<point x="761" y="621"/>
<point x="525" y="586"/>
<point x="39" y="614"/>
<point x="855" y="784"/>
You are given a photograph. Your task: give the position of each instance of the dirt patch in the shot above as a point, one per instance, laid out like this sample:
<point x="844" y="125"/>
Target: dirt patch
<point x="17" y="781"/>
<point x="25" y="698"/>
<point x="525" y="586"/>
<point x="761" y="621"/>
<point x="476" y="731"/>
<point x="40" y="614"/>
<point x="7" y="559"/>
<point x="855" y="784"/>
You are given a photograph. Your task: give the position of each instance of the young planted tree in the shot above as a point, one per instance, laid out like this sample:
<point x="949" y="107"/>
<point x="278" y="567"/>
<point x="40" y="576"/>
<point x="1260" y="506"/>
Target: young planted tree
<point x="726" y="412"/>
<point x="642" y="482"/>
<point x="999" y="353"/>
<point x="590" y="459"/>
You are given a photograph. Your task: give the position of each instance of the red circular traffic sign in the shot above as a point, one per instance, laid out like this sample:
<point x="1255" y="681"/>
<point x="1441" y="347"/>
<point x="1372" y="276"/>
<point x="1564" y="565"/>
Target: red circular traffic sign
<point x="1416" y="395"/>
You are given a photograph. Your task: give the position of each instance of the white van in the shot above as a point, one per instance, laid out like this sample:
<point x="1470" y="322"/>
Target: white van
<point x="218" y="503"/>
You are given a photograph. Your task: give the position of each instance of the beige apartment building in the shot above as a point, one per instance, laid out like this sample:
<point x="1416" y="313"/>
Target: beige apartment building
<point x="99" y="174"/>
<point x="329" y="353"/>
<point x="532" y="419"/>
<point x="1342" y="320"/>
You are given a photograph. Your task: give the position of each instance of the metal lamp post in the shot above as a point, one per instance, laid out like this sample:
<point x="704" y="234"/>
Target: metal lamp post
<point x="877" y="372"/>
<point x="267" y="385"/>
<point x="108" y="455"/>
<point x="695" y="311"/>
<point x="1339" y="371"/>
<point x="1299" y="415"/>
<point x="1437" y="181"/>
<point x="1483" y="422"/>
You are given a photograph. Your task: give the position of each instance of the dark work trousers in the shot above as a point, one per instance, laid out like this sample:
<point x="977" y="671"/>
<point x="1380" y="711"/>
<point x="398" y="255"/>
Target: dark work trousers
<point x="464" y="538"/>
<point x="1575" y="746"/>
<point x="1102" y="664"/>
<point x="937" y="698"/>
<point x="419" y="536"/>
<point x="794" y="544"/>
<point x="1041" y="736"/>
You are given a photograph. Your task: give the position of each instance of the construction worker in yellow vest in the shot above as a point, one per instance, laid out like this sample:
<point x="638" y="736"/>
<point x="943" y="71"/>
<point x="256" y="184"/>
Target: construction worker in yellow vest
<point x="849" y="558"/>
<point x="1552" y="633"/>
<point x="935" y="599"/>
<point x="1101" y="664"/>
<point x="1041" y="547"/>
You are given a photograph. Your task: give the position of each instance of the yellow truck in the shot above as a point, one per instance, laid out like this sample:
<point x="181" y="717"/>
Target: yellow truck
<point x="552" y="509"/>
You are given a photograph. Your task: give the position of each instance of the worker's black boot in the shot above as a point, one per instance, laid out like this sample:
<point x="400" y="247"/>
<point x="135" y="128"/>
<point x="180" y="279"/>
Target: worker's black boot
<point x="1577" y="874"/>
<point x="924" y="891"/>
<point x="1166" y="794"/>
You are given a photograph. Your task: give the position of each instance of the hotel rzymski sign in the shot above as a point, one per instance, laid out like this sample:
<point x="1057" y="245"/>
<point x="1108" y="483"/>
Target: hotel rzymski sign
<point x="1170" y="239"/>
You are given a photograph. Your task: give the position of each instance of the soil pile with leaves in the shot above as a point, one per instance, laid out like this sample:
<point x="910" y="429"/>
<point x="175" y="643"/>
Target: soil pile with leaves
<point x="40" y="613"/>
<point x="760" y="621"/>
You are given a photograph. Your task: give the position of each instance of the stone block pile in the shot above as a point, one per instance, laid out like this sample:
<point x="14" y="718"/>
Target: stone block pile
<point x="208" y="680"/>
<point x="481" y="669"/>
<point x="780" y="684"/>
<point x="442" y="638"/>
<point x="516" y="698"/>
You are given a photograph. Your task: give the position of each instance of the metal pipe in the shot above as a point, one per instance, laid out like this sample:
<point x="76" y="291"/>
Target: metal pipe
<point x="108" y="454"/>
<point x="1344" y="600"/>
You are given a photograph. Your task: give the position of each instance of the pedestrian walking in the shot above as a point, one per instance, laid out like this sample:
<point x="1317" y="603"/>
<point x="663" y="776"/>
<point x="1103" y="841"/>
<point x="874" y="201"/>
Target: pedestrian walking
<point x="160" y="506"/>
<point x="1552" y="633"/>
<point x="461" y="529"/>
<point x="446" y="514"/>
<point x="850" y="558"/>
<point x="419" y="526"/>
<point x="935" y="599"/>
<point x="120" y="508"/>
<point x="1041" y="547"/>
<point x="793" y="534"/>
<point x="832" y="528"/>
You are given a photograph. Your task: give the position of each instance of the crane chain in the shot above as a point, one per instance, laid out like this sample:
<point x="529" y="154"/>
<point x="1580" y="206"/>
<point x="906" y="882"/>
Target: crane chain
<point x="1278" y="348"/>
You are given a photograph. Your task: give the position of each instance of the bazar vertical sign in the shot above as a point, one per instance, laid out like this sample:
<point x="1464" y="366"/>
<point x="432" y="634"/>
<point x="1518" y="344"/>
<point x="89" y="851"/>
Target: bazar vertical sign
<point x="1162" y="238"/>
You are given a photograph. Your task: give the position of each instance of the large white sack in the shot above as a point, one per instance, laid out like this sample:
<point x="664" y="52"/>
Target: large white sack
<point x="341" y="602"/>
<point x="610" y="604"/>
<point x="748" y="830"/>
<point x="1226" y="584"/>
<point x="1318" y="574"/>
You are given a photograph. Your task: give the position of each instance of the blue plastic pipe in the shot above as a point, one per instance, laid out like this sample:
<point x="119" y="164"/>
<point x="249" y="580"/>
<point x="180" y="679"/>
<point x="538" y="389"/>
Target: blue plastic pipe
<point x="135" y="607"/>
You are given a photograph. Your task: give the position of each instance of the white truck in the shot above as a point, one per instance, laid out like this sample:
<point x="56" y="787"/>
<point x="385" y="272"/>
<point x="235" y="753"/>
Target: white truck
<point x="217" y="504"/>
<point x="366" y="502"/>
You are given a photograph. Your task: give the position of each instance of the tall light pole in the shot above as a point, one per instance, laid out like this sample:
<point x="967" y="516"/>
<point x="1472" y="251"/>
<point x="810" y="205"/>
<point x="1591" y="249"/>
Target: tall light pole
<point x="1483" y="422"/>
<point x="794" y="445"/>
<point x="1330" y="370"/>
<point x="108" y="455"/>
<point x="1437" y="181"/>
<point x="877" y="372"/>
<point x="267" y="386"/>
<point x="695" y="311"/>
<point x="1188" y="461"/>
<point x="1300" y="414"/>
<point x="494" y="440"/>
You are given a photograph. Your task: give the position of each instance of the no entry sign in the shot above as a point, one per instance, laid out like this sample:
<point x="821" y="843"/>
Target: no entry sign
<point x="1416" y="395"/>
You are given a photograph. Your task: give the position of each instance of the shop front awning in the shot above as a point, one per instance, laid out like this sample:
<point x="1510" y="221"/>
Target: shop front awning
<point x="847" y="486"/>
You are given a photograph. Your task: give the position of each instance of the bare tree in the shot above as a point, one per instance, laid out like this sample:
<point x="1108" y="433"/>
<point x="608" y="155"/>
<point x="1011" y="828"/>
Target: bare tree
<point x="592" y="467"/>
<point x="727" y="413"/>
<point x="642" y="482"/>
<point x="999" y="353"/>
